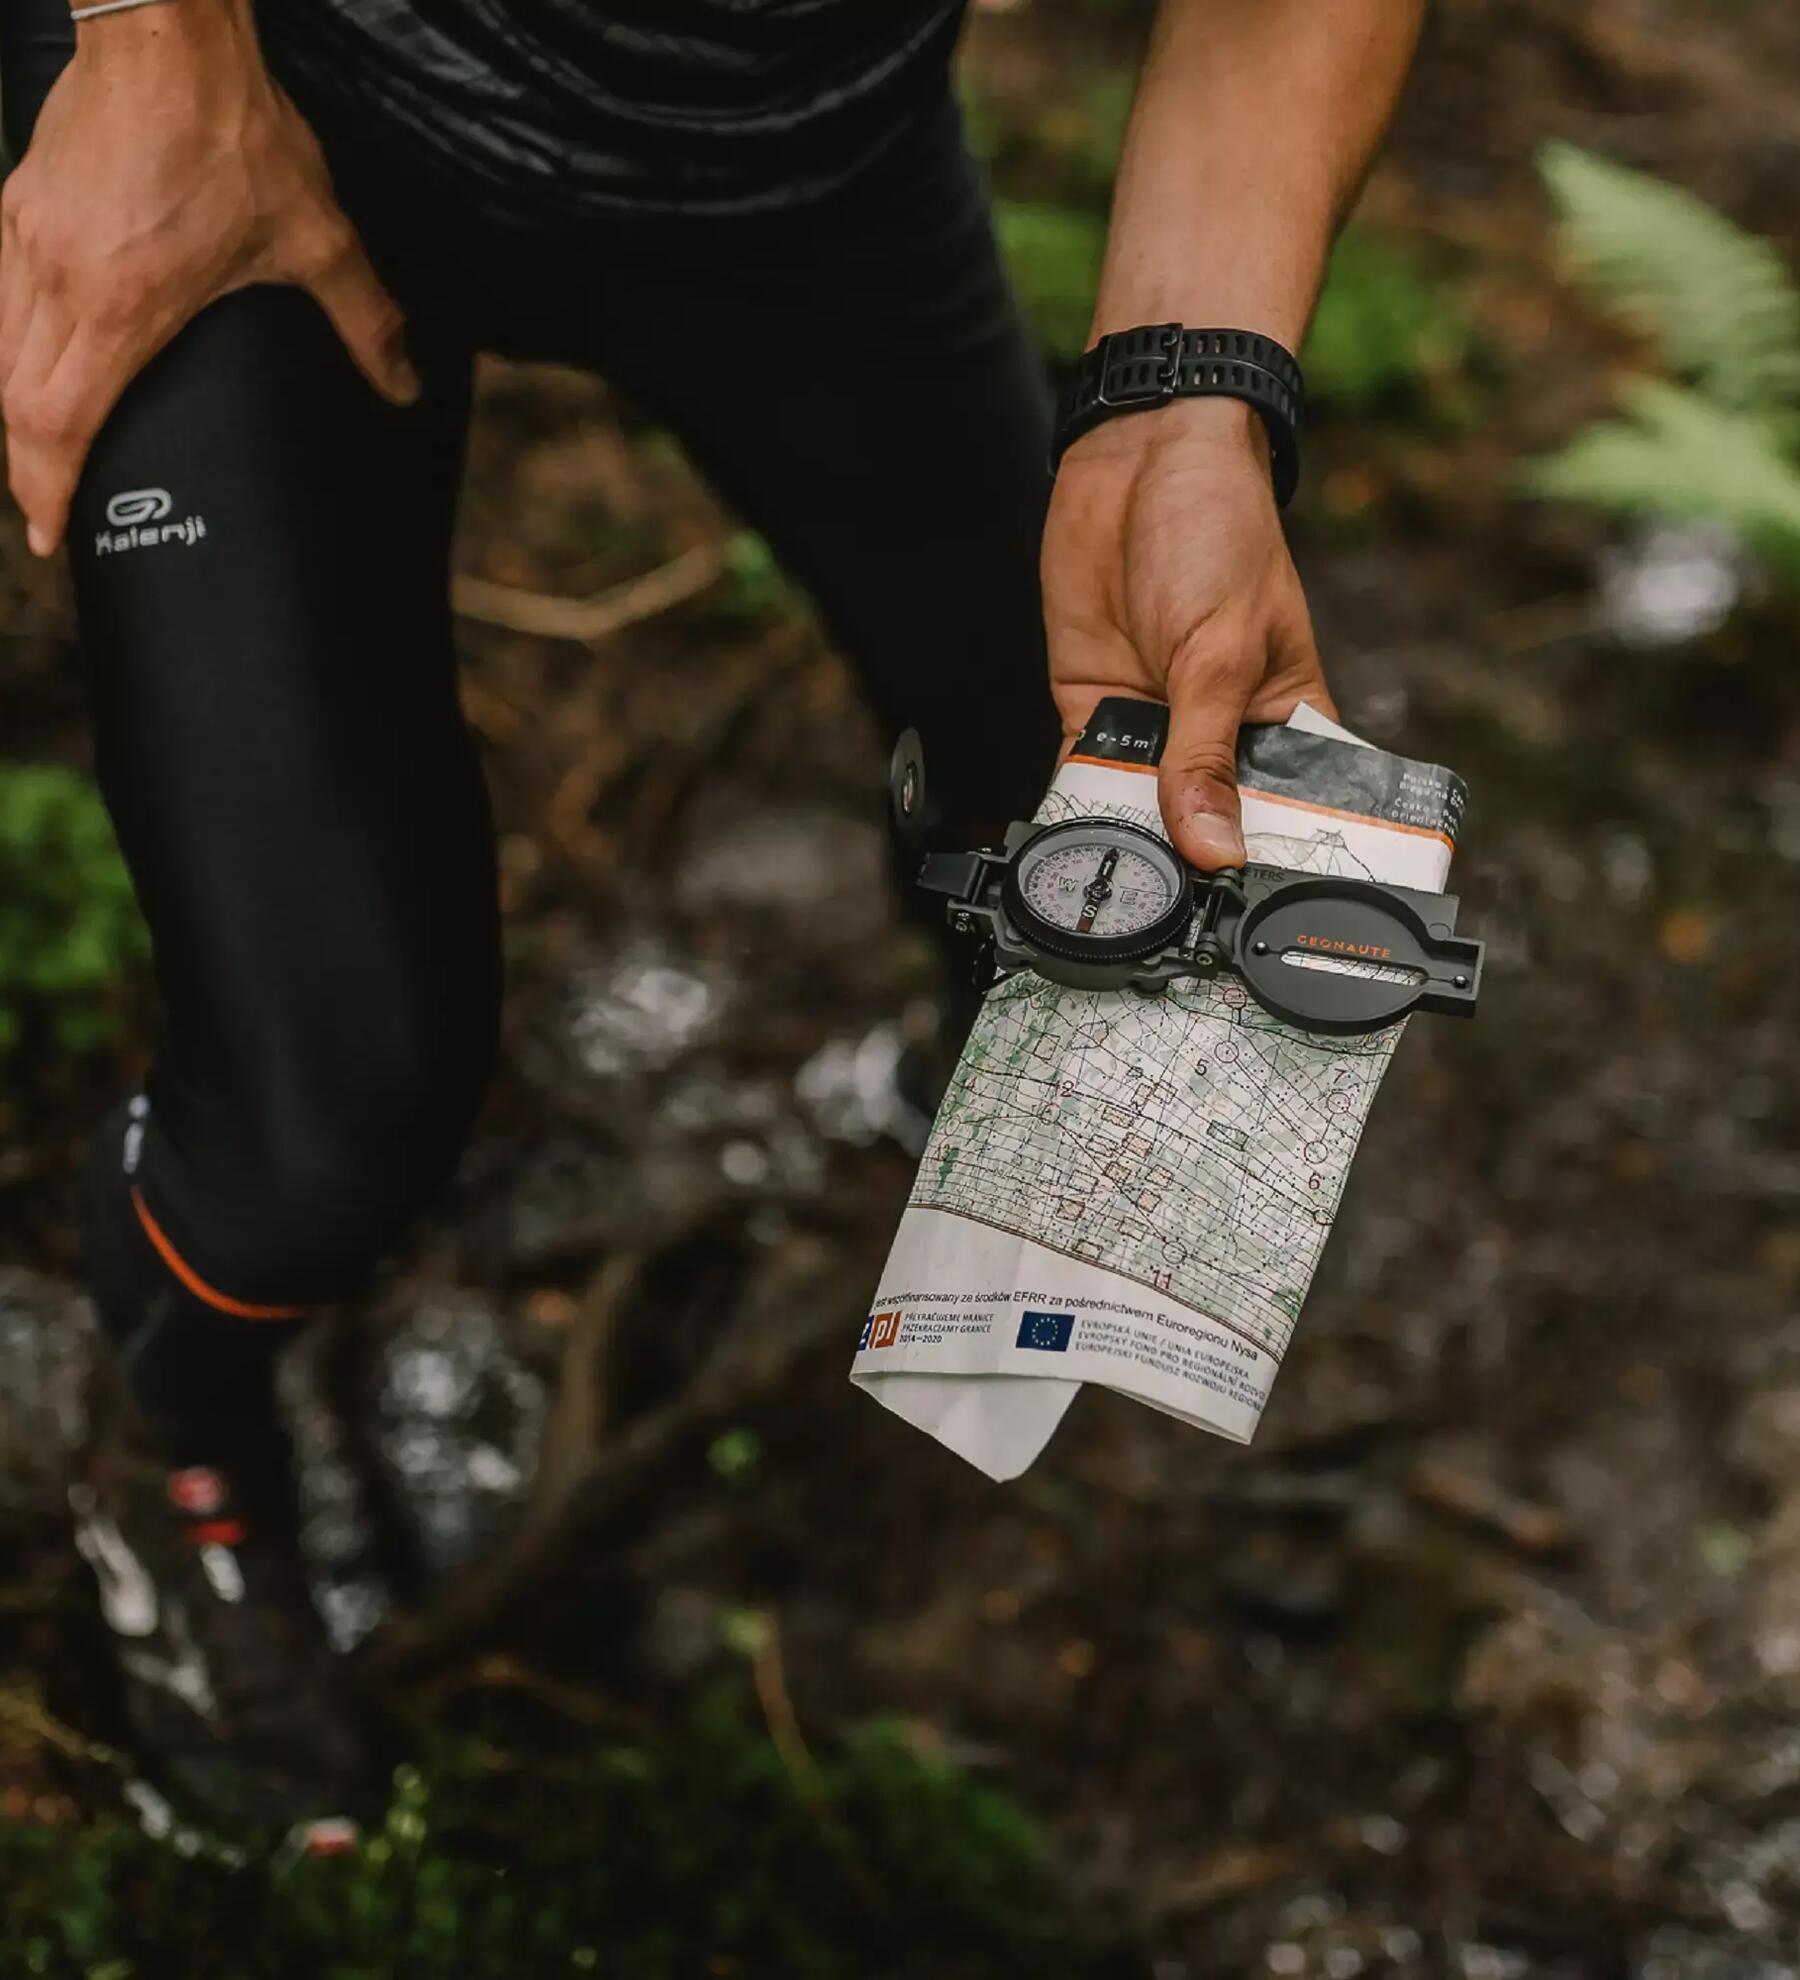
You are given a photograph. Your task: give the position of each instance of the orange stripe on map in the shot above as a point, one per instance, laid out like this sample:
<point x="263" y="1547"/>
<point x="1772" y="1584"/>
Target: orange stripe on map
<point x="1355" y="817"/>
<point x="237" y="1308"/>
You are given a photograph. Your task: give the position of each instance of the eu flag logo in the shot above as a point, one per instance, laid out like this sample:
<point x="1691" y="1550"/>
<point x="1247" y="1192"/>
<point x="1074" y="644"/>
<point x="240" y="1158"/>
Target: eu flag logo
<point x="1049" y="1331"/>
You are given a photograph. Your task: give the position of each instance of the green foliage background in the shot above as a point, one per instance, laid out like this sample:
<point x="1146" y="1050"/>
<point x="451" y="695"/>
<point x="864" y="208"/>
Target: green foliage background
<point x="695" y="1852"/>
<point x="1386" y="334"/>
<point x="516" y="1849"/>
<point x="70" y="933"/>
<point x="1717" y="437"/>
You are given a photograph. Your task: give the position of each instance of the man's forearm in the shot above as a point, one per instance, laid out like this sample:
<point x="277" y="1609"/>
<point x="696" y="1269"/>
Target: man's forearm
<point x="1252" y="132"/>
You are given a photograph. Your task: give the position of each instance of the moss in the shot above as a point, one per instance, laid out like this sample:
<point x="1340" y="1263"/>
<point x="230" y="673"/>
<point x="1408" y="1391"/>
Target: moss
<point x="691" y="1852"/>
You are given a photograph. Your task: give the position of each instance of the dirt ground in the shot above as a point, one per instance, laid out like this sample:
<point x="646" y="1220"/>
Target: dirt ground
<point x="1484" y="1661"/>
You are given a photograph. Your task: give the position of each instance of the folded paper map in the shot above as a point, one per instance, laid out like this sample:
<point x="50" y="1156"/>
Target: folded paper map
<point x="1134" y="1190"/>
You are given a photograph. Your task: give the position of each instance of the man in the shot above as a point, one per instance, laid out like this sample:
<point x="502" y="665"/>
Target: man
<point x="244" y="267"/>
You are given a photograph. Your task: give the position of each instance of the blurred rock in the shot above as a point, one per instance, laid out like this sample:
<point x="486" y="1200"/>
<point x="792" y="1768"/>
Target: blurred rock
<point x="46" y="1331"/>
<point x="748" y="856"/>
<point x="638" y="1010"/>
<point x="1672" y="582"/>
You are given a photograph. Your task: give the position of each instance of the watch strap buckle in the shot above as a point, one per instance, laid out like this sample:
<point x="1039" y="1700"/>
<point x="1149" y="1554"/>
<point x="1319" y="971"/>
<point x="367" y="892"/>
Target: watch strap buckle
<point x="1140" y="367"/>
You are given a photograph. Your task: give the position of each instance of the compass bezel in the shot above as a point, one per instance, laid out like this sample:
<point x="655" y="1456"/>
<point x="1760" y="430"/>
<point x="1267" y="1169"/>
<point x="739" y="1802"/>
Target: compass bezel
<point x="1168" y="927"/>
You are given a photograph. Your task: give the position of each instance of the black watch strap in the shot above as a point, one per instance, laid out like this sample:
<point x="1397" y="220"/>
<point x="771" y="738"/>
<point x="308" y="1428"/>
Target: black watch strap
<point x="1135" y="370"/>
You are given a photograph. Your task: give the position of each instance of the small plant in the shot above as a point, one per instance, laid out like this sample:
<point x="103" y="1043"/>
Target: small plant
<point x="1385" y="334"/>
<point x="70" y="933"/>
<point x="1718" y="437"/>
<point x="682" y="1852"/>
<point x="753" y="586"/>
<point x="735" y="1455"/>
<point x="1053" y="253"/>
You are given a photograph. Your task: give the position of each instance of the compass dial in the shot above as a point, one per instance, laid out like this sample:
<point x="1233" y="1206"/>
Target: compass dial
<point x="1098" y="887"/>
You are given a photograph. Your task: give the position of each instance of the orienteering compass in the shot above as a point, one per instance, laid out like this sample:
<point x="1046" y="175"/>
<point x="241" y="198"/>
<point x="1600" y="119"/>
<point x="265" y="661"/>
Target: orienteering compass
<point x="1101" y="904"/>
<point x="1096" y="890"/>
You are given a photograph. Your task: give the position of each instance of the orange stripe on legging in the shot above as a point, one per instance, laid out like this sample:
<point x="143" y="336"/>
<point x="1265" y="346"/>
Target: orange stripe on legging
<point x="237" y="1308"/>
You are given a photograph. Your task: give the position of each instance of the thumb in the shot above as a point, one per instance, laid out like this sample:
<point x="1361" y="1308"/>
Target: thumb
<point x="1197" y="779"/>
<point x="367" y="318"/>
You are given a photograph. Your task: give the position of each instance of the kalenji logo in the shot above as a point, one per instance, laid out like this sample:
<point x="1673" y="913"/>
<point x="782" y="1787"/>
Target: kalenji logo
<point x="137" y="518"/>
<point x="138" y="505"/>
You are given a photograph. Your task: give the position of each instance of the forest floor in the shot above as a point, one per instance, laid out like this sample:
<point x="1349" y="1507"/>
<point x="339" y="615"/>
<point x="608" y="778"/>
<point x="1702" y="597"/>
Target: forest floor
<point x="1485" y="1660"/>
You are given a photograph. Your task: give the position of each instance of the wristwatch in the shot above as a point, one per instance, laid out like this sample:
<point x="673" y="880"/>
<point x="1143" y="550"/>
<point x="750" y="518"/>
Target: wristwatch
<point x="1136" y="370"/>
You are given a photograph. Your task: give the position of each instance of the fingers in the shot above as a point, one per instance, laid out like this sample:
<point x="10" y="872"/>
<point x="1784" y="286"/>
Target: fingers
<point x="18" y="298"/>
<point x="17" y="324"/>
<point x="69" y="340"/>
<point x="60" y="392"/>
<point x="34" y="431"/>
<point x="33" y="330"/>
<point x="1197" y="781"/>
<point x="366" y="317"/>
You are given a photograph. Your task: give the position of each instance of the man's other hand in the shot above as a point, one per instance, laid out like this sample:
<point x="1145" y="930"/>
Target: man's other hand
<point x="166" y="170"/>
<point x="1166" y="575"/>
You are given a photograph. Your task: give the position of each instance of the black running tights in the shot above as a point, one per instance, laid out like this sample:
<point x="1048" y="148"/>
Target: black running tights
<point x="260" y="553"/>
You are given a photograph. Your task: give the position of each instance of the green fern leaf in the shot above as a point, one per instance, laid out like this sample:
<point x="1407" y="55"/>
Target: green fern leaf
<point x="1675" y="453"/>
<point x="1718" y="301"/>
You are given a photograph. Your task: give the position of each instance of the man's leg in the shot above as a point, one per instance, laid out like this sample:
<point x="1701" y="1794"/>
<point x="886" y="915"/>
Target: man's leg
<point x="859" y="383"/>
<point x="259" y="548"/>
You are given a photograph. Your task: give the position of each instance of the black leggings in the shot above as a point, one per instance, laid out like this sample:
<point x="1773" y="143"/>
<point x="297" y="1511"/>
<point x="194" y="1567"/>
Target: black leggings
<point x="260" y="551"/>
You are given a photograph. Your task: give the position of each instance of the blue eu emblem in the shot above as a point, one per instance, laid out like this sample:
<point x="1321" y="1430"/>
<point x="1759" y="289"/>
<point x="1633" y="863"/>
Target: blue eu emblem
<point x="1049" y="1331"/>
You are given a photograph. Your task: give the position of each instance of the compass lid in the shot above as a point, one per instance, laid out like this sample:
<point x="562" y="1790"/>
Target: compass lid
<point x="1345" y="956"/>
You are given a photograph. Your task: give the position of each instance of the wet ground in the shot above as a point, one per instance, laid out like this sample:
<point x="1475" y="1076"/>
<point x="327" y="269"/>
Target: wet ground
<point x="1485" y="1660"/>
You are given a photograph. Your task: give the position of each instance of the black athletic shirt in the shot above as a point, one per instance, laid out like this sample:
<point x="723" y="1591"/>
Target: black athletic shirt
<point x="561" y="106"/>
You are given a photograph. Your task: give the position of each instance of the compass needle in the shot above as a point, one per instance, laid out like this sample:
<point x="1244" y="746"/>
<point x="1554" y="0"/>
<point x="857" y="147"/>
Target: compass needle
<point x="1097" y="892"/>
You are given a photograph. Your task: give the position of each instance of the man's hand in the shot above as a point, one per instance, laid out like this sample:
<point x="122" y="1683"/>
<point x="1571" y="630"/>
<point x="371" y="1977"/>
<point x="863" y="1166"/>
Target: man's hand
<point x="1165" y="571"/>
<point x="166" y="170"/>
<point x="1166" y="574"/>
